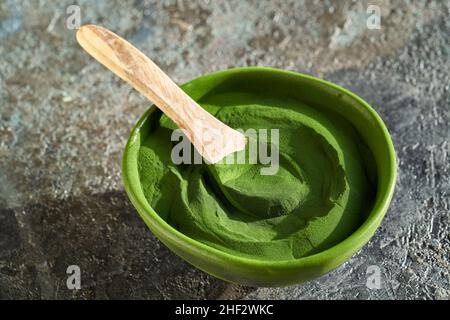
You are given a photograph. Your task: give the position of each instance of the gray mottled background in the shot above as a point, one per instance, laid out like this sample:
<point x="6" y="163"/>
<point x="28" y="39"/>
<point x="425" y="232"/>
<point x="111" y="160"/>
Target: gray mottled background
<point x="64" y="121"/>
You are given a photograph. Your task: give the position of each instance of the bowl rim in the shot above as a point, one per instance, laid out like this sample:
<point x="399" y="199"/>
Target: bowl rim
<point x="353" y="242"/>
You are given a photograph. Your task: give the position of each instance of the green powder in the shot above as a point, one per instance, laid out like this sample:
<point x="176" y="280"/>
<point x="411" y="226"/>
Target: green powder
<point x="317" y="198"/>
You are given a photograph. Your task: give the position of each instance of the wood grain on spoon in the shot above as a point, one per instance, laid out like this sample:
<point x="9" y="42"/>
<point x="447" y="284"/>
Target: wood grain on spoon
<point x="213" y="139"/>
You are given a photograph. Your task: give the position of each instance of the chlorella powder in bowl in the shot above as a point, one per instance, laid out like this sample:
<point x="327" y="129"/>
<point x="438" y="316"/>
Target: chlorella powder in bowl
<point x="313" y="201"/>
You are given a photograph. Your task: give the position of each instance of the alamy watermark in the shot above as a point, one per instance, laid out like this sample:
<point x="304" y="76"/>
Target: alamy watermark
<point x="374" y="18"/>
<point x="262" y="148"/>
<point x="73" y="20"/>
<point x="74" y="279"/>
<point x="373" y="274"/>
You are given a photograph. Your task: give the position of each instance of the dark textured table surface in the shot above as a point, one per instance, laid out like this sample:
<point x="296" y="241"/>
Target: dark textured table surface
<point x="64" y="121"/>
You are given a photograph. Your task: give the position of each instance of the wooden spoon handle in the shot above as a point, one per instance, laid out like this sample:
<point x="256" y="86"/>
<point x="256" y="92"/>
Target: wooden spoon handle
<point x="144" y="75"/>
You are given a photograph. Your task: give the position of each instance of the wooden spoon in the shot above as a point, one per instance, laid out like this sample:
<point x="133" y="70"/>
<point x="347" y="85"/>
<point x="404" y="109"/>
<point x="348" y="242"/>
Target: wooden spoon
<point x="213" y="139"/>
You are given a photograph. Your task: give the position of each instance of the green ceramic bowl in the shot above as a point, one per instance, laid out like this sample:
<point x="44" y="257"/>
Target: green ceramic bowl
<point x="314" y="92"/>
